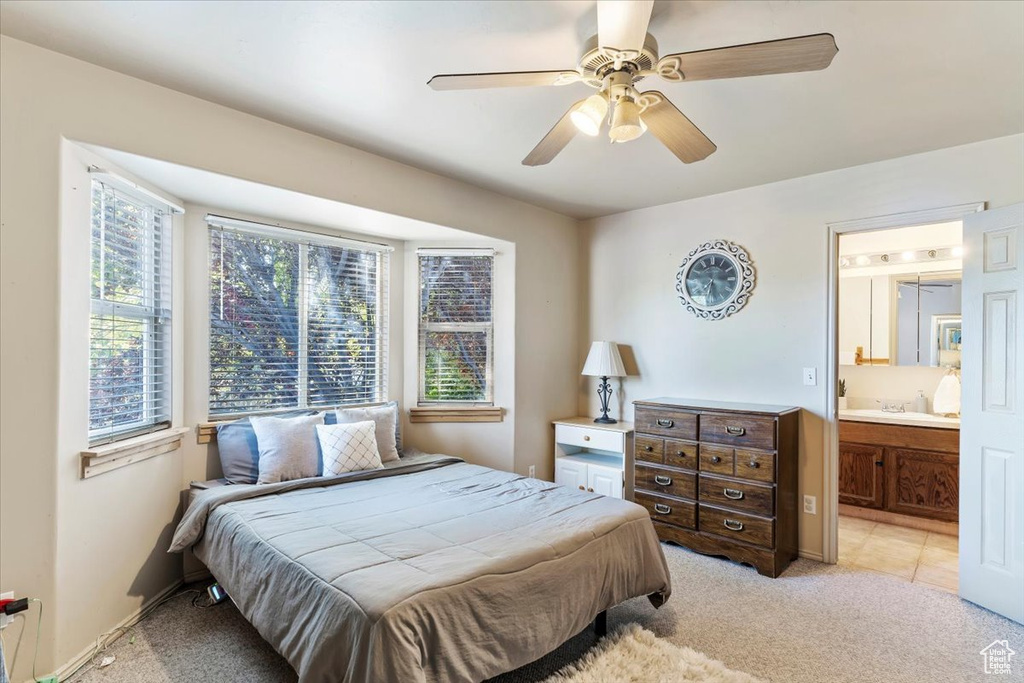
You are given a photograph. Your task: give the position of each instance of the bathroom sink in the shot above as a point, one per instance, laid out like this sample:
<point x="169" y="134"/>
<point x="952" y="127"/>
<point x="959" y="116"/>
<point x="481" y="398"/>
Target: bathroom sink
<point x="911" y="419"/>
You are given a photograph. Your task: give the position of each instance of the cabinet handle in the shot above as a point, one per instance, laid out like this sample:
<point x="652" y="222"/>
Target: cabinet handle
<point x="681" y="454"/>
<point x="733" y="525"/>
<point x="590" y="490"/>
<point x="733" y="494"/>
<point x="665" y="423"/>
<point x="581" y="488"/>
<point x="662" y="509"/>
<point x="662" y="481"/>
<point x="878" y="462"/>
<point x="736" y="431"/>
<point x="754" y="464"/>
<point x="715" y="459"/>
<point x="649" y="448"/>
<point x="586" y="438"/>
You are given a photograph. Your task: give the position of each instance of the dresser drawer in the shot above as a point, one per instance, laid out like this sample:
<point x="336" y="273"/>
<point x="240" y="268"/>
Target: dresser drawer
<point x="587" y="437"/>
<point x="680" y="454"/>
<point x="669" y="482"/>
<point x="670" y="510"/>
<point x="756" y="465"/>
<point x="736" y="525"/>
<point x="716" y="459"/>
<point x="738" y="430"/>
<point x="649" y="449"/>
<point x="671" y="423"/>
<point x="756" y="498"/>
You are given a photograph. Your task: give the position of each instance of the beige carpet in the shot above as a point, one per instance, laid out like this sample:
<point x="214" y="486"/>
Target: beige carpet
<point x="814" y="624"/>
<point x="635" y="655"/>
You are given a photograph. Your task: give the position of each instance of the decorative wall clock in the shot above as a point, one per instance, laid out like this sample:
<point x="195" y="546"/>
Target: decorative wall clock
<point x="715" y="280"/>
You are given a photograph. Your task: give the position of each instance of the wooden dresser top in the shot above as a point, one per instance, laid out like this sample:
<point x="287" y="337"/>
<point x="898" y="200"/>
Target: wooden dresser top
<point x="722" y="406"/>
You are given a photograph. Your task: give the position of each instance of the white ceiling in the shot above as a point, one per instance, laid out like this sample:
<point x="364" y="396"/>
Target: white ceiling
<point x="909" y="77"/>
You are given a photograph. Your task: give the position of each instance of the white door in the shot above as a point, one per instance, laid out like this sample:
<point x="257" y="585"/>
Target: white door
<point x="571" y="473"/>
<point x="992" y="427"/>
<point x="604" y="480"/>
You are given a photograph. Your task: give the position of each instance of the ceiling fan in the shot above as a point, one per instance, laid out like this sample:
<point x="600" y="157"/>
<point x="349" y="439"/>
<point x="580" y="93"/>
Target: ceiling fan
<point x="622" y="54"/>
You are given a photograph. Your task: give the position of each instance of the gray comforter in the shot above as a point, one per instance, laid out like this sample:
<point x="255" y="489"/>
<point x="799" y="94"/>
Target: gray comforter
<point x="429" y="570"/>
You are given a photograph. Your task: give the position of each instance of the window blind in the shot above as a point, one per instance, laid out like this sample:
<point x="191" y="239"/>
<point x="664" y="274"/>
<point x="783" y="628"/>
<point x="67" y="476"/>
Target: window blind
<point x="296" y="320"/>
<point x="456" y="328"/>
<point x="130" y="321"/>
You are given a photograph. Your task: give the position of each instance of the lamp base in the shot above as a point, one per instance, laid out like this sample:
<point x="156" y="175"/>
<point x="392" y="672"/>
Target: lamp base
<point x="605" y="420"/>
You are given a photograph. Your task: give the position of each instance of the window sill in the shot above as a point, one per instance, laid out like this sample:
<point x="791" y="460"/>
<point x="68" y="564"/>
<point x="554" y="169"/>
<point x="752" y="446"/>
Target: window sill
<point x="456" y="414"/>
<point x="102" y="459"/>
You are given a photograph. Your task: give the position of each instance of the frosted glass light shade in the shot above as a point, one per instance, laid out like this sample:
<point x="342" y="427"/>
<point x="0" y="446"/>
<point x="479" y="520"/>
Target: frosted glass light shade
<point x="626" y="124"/>
<point x="588" y="117"/>
<point x="604" y="361"/>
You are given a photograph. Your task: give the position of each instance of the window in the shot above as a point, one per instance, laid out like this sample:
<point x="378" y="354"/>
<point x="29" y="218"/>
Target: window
<point x="456" y="330"/>
<point x="130" y="321"/>
<point x="296" y="319"/>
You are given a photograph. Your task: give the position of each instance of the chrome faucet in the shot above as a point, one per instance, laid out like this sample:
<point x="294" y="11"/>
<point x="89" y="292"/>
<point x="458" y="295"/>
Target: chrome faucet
<point x="892" y="406"/>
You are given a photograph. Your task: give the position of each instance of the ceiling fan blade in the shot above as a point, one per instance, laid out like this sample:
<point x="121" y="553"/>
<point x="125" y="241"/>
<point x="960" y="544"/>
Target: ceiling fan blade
<point x="805" y="53"/>
<point x="622" y="24"/>
<point x="555" y="141"/>
<point x="675" y="131"/>
<point x="512" y="79"/>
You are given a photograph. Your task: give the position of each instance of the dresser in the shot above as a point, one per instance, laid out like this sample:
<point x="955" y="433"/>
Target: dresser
<point x="720" y="478"/>
<point x="594" y="457"/>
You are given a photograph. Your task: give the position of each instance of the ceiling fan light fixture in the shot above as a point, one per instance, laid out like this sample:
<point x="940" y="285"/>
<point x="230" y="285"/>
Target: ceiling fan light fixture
<point x="588" y="116"/>
<point x="626" y="123"/>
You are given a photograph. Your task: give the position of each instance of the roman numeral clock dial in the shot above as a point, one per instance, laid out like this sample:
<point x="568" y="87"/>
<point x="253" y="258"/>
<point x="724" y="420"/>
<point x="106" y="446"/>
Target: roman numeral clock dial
<point x="715" y="280"/>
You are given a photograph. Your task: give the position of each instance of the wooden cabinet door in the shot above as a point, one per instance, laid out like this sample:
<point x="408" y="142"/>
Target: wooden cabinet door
<point x="923" y="483"/>
<point x="571" y="473"/>
<point x="604" y="480"/>
<point x="861" y="480"/>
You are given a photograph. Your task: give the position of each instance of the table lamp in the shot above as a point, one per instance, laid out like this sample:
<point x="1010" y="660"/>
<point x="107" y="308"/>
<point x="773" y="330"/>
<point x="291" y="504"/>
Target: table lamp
<point x="604" y="361"/>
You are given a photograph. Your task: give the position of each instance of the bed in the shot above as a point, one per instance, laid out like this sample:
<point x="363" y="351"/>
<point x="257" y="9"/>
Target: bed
<point x="430" y="569"/>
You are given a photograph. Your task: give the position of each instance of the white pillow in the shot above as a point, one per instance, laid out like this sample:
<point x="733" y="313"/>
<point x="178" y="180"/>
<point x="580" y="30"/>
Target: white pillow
<point x="386" y="419"/>
<point x="349" y="447"/>
<point x="287" y="447"/>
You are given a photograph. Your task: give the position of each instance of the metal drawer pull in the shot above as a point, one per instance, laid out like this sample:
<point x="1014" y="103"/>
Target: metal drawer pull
<point x="581" y="488"/>
<point x="590" y="490"/>
<point x="662" y="481"/>
<point x="665" y="423"/>
<point x="733" y="525"/>
<point x="754" y="464"/>
<point x="715" y="459"/>
<point x="648" y="448"/>
<point x="681" y="454"/>
<point x="586" y="438"/>
<point x="662" y="509"/>
<point x="733" y="494"/>
<point x="736" y="431"/>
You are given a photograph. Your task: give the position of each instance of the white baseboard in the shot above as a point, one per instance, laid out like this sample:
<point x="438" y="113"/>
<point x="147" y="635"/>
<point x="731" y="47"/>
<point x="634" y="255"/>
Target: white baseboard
<point x="135" y="617"/>
<point x="817" y="557"/>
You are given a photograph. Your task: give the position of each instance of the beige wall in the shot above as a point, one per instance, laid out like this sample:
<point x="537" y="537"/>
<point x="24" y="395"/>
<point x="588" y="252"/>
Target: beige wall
<point x="112" y="528"/>
<point x="867" y="384"/>
<point x="757" y="354"/>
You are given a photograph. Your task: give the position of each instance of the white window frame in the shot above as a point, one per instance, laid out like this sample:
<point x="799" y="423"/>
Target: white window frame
<point x="423" y="327"/>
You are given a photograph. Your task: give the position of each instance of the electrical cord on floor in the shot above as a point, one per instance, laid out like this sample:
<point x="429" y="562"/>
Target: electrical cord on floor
<point x="104" y="640"/>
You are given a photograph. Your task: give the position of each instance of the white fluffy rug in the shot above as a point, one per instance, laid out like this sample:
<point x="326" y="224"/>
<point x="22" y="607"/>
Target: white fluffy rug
<point x="635" y="655"/>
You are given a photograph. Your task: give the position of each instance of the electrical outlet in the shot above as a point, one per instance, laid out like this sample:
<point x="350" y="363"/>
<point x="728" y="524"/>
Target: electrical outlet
<point x="4" y="619"/>
<point x="810" y="505"/>
<point x="811" y="377"/>
<point x="533" y="471"/>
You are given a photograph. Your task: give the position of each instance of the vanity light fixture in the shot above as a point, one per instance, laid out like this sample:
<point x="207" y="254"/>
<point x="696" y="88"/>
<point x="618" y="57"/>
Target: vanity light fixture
<point x="863" y="260"/>
<point x="958" y="251"/>
<point x="908" y="256"/>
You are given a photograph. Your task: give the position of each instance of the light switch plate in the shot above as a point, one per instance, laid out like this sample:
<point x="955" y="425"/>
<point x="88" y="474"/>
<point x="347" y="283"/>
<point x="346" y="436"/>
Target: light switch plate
<point x="811" y="377"/>
<point x="533" y="471"/>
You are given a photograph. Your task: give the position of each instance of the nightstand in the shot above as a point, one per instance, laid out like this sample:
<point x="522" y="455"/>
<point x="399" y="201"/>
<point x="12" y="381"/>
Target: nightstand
<point x="594" y="457"/>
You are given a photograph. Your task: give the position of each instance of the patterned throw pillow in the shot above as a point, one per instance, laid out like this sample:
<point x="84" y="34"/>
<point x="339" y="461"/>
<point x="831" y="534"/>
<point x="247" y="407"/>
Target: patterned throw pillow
<point x="349" y="447"/>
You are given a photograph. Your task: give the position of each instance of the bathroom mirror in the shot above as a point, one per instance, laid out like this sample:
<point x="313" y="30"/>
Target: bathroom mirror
<point x="900" y="319"/>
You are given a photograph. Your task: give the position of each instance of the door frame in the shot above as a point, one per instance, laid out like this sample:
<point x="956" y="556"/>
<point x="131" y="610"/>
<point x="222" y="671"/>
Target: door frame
<point x="830" y="489"/>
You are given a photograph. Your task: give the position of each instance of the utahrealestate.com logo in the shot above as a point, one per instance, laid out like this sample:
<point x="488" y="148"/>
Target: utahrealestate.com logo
<point x="997" y="657"/>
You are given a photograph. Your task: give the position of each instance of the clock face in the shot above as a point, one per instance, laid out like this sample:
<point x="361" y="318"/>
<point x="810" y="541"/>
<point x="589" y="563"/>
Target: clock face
<point x="712" y="280"/>
<point x="715" y="280"/>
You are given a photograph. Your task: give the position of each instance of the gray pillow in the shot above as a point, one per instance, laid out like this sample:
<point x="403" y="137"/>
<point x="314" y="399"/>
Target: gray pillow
<point x="239" y="453"/>
<point x="288" y="447"/>
<point x="386" y="419"/>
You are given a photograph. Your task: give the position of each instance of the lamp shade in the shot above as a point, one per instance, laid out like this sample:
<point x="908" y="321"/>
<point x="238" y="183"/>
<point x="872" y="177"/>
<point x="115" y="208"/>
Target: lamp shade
<point x="604" y="361"/>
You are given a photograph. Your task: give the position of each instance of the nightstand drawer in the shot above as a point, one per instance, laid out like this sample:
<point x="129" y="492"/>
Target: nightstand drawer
<point x="671" y="423"/>
<point x="671" y="510"/>
<point x="669" y="482"/>
<point x="586" y="437"/>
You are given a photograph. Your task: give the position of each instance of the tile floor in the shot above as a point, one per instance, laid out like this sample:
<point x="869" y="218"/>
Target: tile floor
<point x="923" y="557"/>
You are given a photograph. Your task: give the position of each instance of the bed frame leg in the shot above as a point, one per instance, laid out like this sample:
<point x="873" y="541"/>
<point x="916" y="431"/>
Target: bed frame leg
<point x="601" y="624"/>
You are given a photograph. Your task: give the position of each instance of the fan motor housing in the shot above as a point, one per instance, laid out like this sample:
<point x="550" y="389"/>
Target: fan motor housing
<point x="597" y="62"/>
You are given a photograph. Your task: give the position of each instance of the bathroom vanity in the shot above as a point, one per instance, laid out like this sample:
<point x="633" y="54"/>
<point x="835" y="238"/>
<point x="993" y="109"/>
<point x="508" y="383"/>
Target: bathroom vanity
<point x="906" y="463"/>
